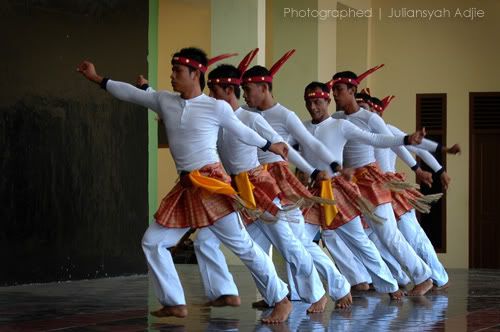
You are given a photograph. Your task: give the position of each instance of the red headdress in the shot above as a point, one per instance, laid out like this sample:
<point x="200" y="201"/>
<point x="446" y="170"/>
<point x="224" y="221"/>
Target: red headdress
<point x="274" y="69"/>
<point x="354" y="81"/>
<point x="245" y="62"/>
<point x="384" y="103"/>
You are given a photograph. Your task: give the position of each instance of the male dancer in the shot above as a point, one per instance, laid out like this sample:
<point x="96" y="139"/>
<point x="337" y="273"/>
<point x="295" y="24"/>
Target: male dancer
<point x="257" y="87"/>
<point x="402" y="205"/>
<point x="260" y="191"/>
<point x="371" y="181"/>
<point x="192" y="121"/>
<point x="342" y="223"/>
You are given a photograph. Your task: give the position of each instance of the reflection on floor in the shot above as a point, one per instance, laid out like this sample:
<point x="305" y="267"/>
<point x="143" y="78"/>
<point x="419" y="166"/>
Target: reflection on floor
<point x="472" y="303"/>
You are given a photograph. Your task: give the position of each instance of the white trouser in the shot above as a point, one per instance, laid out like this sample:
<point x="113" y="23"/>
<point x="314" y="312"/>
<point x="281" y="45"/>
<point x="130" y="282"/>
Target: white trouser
<point x="416" y="237"/>
<point x="347" y="262"/>
<point x="391" y="237"/>
<point x="215" y="275"/>
<point x="359" y="245"/>
<point x="397" y="271"/>
<point x="233" y="235"/>
<point x="338" y="286"/>
<point x="281" y="236"/>
<point x="304" y="274"/>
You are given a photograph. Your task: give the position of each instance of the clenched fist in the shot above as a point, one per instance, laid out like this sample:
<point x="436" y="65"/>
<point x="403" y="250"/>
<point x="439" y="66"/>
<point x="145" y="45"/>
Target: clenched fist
<point x="87" y="69"/>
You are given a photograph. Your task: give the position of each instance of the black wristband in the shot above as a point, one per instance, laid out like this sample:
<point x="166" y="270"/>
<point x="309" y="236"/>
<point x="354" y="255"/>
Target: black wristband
<point x="144" y="87"/>
<point x="441" y="171"/>
<point x="103" y="83"/>
<point x="439" y="148"/>
<point x="415" y="167"/>
<point x="334" y="165"/>
<point x="406" y="140"/>
<point x="266" y="147"/>
<point x="314" y="174"/>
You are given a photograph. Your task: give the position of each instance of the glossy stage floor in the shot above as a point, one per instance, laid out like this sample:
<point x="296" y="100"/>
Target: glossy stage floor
<point x="472" y="303"/>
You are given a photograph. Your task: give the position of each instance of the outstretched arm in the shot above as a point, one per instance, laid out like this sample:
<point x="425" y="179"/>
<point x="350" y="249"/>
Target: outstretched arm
<point x="352" y="132"/>
<point x="429" y="159"/>
<point x="427" y="144"/>
<point x="295" y="158"/>
<point x="248" y="136"/>
<point x="432" y="162"/>
<point x="120" y="90"/>
<point x="264" y="129"/>
<point x="299" y="132"/>
<point x="378" y="125"/>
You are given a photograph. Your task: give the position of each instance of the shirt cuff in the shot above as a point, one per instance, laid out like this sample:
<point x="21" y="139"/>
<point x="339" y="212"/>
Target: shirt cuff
<point x="104" y="82"/>
<point x="266" y="147"/>
<point x="334" y="166"/>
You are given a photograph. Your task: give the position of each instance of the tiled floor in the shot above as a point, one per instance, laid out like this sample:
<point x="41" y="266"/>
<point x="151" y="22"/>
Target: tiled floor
<point x="121" y="304"/>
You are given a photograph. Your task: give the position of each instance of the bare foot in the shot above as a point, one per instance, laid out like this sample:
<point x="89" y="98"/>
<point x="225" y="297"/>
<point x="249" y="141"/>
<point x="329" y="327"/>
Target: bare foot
<point x="435" y="288"/>
<point x="362" y="287"/>
<point x="225" y="301"/>
<point x="168" y="311"/>
<point x="280" y="312"/>
<point x="397" y="295"/>
<point x="421" y="288"/>
<point x="318" y="306"/>
<point x="260" y="305"/>
<point x="344" y="302"/>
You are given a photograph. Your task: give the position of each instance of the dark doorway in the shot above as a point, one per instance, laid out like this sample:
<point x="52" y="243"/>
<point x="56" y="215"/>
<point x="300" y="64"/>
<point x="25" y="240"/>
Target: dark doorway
<point x="73" y="169"/>
<point x="484" y="177"/>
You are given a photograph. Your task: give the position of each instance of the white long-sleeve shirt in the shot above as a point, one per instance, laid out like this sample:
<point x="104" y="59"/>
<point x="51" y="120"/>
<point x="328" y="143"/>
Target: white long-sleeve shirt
<point x="358" y="154"/>
<point x="296" y="159"/>
<point x="335" y="133"/>
<point x="192" y="125"/>
<point x="419" y="150"/>
<point x="237" y="156"/>
<point x="288" y="125"/>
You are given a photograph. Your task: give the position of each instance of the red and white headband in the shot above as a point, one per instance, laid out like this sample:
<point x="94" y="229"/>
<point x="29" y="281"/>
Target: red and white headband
<point x="196" y="65"/>
<point x="317" y="94"/>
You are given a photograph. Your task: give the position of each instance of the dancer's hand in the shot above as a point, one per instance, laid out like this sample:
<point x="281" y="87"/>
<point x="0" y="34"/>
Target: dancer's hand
<point x="280" y="148"/>
<point x="141" y="80"/>
<point x="417" y="137"/>
<point x="454" y="149"/>
<point x="322" y="175"/>
<point x="87" y="69"/>
<point x="445" y="180"/>
<point x="424" y="176"/>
